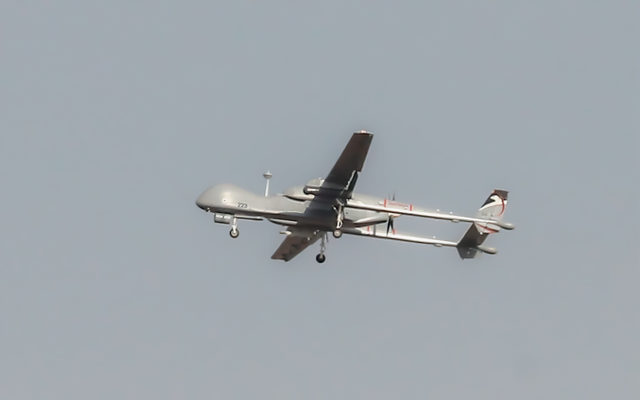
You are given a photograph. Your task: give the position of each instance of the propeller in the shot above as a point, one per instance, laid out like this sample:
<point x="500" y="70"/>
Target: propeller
<point x="390" y="219"/>
<point x="390" y="225"/>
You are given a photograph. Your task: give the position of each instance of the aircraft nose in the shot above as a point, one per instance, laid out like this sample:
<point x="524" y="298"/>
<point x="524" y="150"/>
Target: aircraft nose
<point x="203" y="201"/>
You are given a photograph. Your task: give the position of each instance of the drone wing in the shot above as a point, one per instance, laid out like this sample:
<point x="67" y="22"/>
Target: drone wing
<point x="297" y="240"/>
<point x="344" y="174"/>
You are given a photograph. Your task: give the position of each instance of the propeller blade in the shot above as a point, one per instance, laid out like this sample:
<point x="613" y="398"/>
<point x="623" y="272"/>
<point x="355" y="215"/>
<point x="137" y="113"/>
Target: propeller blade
<point x="390" y="225"/>
<point x="390" y="220"/>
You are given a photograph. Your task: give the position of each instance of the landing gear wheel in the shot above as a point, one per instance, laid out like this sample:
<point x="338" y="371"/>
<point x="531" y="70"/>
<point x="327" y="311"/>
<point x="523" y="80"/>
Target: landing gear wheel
<point x="320" y="258"/>
<point x="337" y="233"/>
<point x="234" y="233"/>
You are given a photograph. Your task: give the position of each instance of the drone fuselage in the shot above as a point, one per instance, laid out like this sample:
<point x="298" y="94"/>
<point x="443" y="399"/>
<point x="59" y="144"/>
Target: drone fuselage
<point x="293" y="207"/>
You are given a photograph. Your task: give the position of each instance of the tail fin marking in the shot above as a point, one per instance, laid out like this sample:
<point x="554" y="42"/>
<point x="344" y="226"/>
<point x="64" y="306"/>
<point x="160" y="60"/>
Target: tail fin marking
<point x="493" y="208"/>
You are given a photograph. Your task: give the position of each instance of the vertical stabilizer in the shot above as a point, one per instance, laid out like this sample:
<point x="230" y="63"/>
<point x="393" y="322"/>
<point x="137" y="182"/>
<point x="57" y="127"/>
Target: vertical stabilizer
<point x="493" y="208"/>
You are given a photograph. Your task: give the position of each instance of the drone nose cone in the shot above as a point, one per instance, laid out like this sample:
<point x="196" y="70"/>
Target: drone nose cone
<point x="202" y="201"/>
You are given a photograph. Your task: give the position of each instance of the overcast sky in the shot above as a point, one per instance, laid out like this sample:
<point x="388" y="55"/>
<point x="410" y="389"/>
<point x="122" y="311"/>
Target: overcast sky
<point x="116" y="115"/>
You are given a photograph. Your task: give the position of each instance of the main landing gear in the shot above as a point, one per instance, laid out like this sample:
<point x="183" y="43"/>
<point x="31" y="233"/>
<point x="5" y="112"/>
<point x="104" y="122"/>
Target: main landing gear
<point x="320" y="258"/>
<point x="338" y="231"/>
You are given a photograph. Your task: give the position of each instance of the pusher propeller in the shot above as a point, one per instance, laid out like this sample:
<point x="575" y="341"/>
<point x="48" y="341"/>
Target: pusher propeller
<point x="390" y="225"/>
<point x="390" y="219"/>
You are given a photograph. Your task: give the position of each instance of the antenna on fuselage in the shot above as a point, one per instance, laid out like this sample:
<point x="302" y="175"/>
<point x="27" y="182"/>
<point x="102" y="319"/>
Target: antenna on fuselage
<point x="267" y="175"/>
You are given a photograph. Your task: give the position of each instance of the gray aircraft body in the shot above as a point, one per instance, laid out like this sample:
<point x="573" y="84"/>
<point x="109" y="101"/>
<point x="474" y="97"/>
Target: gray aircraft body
<point x="329" y="204"/>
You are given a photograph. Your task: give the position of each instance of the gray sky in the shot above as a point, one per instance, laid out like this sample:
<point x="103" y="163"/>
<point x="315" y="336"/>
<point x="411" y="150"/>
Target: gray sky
<point x="116" y="116"/>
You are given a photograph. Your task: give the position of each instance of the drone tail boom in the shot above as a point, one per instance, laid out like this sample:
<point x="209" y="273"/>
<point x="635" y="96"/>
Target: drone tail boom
<point x="493" y="209"/>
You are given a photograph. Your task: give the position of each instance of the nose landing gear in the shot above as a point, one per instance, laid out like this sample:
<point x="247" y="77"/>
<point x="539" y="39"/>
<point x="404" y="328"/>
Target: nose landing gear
<point x="234" y="232"/>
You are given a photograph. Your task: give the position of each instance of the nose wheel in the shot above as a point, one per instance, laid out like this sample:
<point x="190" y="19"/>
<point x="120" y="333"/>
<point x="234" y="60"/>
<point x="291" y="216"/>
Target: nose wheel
<point x="234" y="232"/>
<point x="320" y="258"/>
